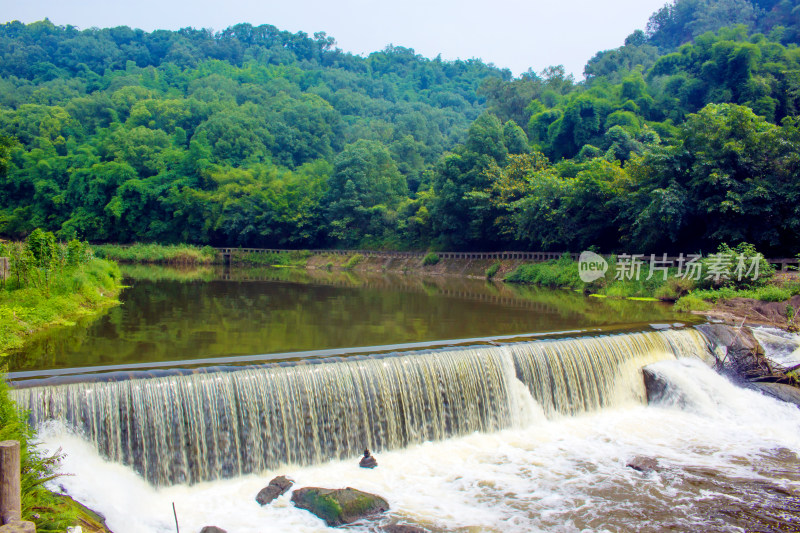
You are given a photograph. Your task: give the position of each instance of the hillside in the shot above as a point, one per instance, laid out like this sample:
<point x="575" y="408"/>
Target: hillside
<point x="684" y="137"/>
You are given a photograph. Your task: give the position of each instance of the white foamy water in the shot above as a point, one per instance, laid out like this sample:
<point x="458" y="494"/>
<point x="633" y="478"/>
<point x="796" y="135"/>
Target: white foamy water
<point x="567" y="474"/>
<point x="779" y="346"/>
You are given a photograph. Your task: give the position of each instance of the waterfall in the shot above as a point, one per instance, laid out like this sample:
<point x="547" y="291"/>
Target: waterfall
<point x="205" y="425"/>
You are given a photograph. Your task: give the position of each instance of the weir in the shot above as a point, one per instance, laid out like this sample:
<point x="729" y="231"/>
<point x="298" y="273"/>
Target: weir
<point x="187" y="428"/>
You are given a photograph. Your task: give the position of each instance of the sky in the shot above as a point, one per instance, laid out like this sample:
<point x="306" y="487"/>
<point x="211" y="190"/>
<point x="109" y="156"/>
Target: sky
<point x="513" y="34"/>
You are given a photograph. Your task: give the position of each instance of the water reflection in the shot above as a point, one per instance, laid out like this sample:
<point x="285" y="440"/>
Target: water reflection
<point x="173" y="314"/>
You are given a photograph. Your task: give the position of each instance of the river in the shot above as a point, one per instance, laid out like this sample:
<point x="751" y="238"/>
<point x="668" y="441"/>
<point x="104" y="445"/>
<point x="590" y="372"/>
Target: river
<point x="194" y="393"/>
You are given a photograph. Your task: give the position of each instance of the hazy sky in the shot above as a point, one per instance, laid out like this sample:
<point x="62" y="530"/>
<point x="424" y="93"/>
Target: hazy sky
<point x="510" y="34"/>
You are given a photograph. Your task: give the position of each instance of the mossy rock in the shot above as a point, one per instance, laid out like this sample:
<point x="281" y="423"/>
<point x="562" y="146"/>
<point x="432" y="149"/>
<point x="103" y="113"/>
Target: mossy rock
<point x="339" y="506"/>
<point x="89" y="520"/>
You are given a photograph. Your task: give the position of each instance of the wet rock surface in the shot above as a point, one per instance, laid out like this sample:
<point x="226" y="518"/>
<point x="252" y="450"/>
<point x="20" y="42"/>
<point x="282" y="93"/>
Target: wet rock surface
<point x="339" y="506"/>
<point x="277" y="487"/>
<point x="644" y="464"/>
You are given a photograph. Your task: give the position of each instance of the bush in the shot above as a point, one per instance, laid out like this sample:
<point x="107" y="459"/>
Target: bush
<point x="492" y="270"/>
<point x="691" y="302"/>
<point x="39" y="505"/>
<point x="157" y="253"/>
<point x="561" y="273"/>
<point x="430" y="259"/>
<point x="353" y="261"/>
<point x="673" y="289"/>
<point x="741" y="258"/>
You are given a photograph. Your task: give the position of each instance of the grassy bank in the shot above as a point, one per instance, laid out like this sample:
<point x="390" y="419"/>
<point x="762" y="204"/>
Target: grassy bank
<point x="297" y="258"/>
<point x="689" y="295"/>
<point x="157" y="253"/>
<point x="563" y="274"/>
<point x="76" y="292"/>
<point x="188" y="254"/>
<point x="704" y="299"/>
<point x="39" y="505"/>
<point x="49" y="284"/>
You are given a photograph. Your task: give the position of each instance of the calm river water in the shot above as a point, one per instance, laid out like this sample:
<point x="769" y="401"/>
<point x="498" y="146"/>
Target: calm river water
<point x="179" y="315"/>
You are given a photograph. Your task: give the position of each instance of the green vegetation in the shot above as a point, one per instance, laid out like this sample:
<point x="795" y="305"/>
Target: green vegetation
<point x="157" y="253"/>
<point x="295" y="258"/>
<point x="353" y="261"/>
<point x="692" y="302"/>
<point x="682" y="138"/>
<point x="563" y="274"/>
<point x="168" y="272"/>
<point x="767" y="293"/>
<point x="491" y="272"/>
<point x="430" y="259"/>
<point x="692" y="292"/>
<point x="39" y="505"/>
<point x="559" y="274"/>
<point x="252" y="136"/>
<point x="51" y="283"/>
<point x="325" y="506"/>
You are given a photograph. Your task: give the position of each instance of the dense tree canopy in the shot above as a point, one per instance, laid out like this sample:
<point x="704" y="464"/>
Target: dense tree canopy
<point x="684" y="137"/>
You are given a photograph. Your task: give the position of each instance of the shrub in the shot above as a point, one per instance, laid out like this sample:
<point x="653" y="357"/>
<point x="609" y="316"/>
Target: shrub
<point x="673" y="289"/>
<point x="38" y="504"/>
<point x="691" y="302"/>
<point x="353" y="261"/>
<point x="561" y="273"/>
<point x="742" y="258"/>
<point x="492" y="270"/>
<point x="430" y="259"/>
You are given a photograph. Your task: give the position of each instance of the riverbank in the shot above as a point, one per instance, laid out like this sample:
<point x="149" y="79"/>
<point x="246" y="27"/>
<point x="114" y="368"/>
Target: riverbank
<point x="79" y="291"/>
<point x="727" y="303"/>
<point x="48" y="284"/>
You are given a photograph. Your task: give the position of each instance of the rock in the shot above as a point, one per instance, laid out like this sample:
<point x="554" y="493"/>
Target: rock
<point x="737" y="341"/>
<point x="368" y="461"/>
<point x="212" y="529"/>
<point x="278" y="486"/>
<point x="656" y="387"/>
<point x="644" y="464"/>
<point x="662" y="392"/>
<point x="339" y="506"/>
<point x="402" y="528"/>
<point x="88" y="520"/>
<point x="787" y="393"/>
<point x="18" y="527"/>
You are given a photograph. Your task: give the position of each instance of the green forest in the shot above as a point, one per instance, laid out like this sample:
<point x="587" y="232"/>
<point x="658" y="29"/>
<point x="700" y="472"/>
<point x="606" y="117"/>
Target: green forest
<point x="684" y="137"/>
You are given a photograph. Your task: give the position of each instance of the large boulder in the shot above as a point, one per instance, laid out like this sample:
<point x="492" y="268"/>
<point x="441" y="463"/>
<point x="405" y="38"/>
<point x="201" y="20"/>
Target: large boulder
<point x="278" y="486"/>
<point x="730" y="344"/>
<point x="656" y="387"/>
<point x="787" y="393"/>
<point x="212" y="529"/>
<point x="339" y="506"/>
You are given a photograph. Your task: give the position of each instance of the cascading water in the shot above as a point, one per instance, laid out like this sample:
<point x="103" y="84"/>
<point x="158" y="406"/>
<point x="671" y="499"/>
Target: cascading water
<point x="204" y="426"/>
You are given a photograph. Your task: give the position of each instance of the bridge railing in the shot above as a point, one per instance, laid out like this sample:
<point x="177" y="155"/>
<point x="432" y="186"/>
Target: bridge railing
<point x="530" y="256"/>
<point x="781" y="263"/>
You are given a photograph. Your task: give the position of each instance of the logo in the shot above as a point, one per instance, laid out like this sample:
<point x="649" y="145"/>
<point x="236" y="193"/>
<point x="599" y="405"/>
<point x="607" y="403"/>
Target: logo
<point x="591" y="267"/>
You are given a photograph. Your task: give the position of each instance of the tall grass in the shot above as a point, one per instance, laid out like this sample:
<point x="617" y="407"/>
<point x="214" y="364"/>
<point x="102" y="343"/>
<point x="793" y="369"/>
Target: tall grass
<point x="72" y="293"/>
<point x="47" y="510"/>
<point x="157" y="253"/>
<point x="563" y="274"/>
<point x="294" y="258"/>
<point x="699" y="300"/>
<point x="559" y="274"/>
